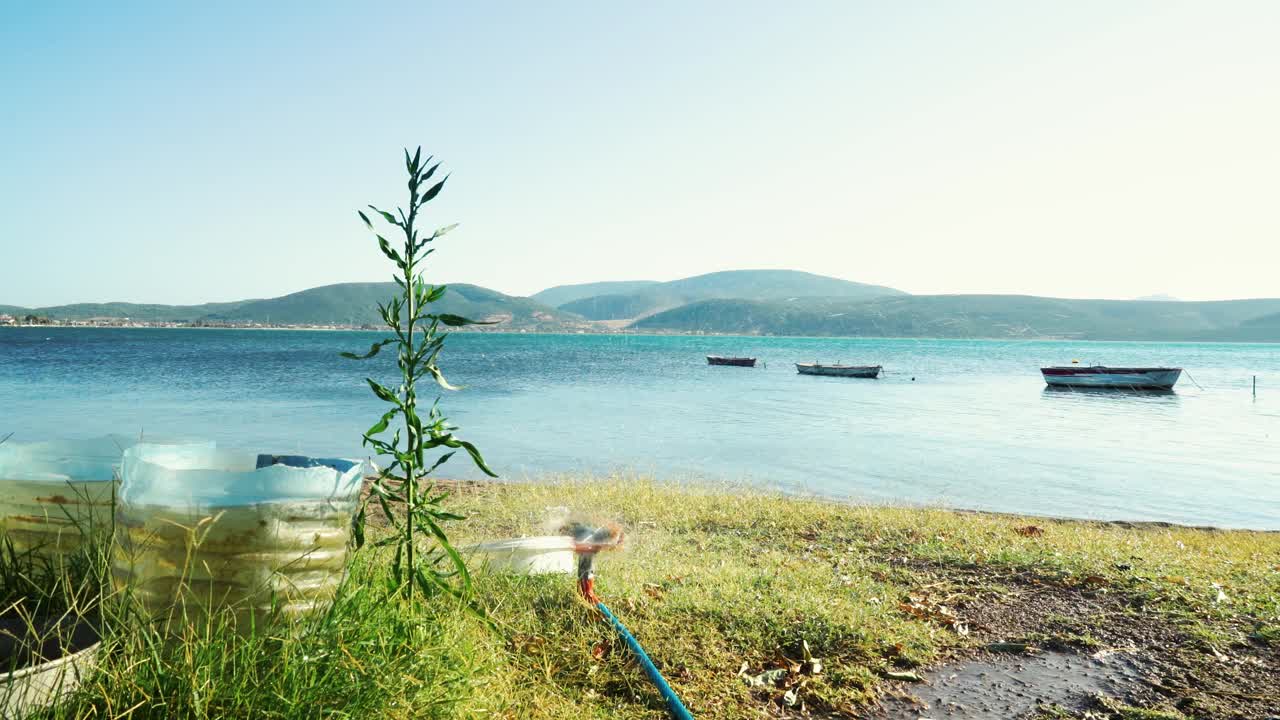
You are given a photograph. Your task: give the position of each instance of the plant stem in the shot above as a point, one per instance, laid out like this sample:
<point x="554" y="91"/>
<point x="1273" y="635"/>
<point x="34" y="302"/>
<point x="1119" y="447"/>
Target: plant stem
<point x="410" y="392"/>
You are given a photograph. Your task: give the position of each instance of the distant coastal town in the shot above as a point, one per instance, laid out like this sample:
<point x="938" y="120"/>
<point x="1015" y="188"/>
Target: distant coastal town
<point x="498" y="324"/>
<point x="124" y="322"/>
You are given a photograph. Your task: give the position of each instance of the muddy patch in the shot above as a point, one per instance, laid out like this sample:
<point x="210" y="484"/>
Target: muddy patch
<point x="1009" y="686"/>
<point x="1087" y="641"/>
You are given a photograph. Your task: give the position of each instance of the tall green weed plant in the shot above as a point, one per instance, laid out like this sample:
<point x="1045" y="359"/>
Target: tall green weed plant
<point x="417" y="443"/>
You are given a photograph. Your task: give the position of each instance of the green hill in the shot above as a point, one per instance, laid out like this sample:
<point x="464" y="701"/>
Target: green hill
<point x="355" y="304"/>
<point x="346" y="303"/>
<point x="561" y="294"/>
<point x="1265" y="328"/>
<point x="146" y="312"/>
<point x="856" y="314"/>
<point x="979" y="316"/>
<point x="747" y="284"/>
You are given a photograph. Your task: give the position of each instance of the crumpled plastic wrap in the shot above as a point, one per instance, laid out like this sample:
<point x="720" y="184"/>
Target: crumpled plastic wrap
<point x="54" y="493"/>
<point x="200" y="530"/>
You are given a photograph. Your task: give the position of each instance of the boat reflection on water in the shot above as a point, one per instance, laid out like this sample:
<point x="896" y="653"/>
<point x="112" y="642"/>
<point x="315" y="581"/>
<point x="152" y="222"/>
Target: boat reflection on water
<point x="1155" y="394"/>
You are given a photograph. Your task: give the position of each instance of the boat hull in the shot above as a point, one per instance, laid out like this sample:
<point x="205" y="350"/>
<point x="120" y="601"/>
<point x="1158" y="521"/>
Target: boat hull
<point x="854" y="371"/>
<point x="733" y="361"/>
<point x="1112" y="378"/>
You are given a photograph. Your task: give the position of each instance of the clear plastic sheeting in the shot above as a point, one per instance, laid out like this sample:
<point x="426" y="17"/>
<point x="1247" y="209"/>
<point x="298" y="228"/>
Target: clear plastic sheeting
<point x="53" y="494"/>
<point x="206" y="477"/>
<point x="200" y="530"/>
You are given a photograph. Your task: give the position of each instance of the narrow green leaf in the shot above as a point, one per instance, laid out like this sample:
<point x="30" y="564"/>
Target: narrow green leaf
<point x="373" y="350"/>
<point x="441" y="232"/>
<point x="357" y="526"/>
<point x="430" y="195"/>
<point x="383" y="393"/>
<point x="386" y="215"/>
<point x="439" y="461"/>
<point x="447" y="546"/>
<point x="457" y="320"/>
<point x="382" y="448"/>
<point x="439" y="376"/>
<point x="436" y="293"/>
<point x="365" y="218"/>
<point x="390" y="514"/>
<point x="390" y="252"/>
<point x="477" y="458"/>
<point x="381" y="425"/>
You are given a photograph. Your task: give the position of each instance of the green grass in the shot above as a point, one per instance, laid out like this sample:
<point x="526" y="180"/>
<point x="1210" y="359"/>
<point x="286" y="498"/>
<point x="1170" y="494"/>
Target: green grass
<point x="741" y="576"/>
<point x="715" y="582"/>
<point x="368" y="655"/>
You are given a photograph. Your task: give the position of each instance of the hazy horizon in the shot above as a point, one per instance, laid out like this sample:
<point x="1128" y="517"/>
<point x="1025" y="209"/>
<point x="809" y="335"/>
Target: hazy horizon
<point x="183" y="155"/>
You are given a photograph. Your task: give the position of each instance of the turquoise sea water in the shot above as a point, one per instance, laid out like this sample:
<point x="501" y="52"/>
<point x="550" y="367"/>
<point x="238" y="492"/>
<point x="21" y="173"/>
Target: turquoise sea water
<point x="957" y="423"/>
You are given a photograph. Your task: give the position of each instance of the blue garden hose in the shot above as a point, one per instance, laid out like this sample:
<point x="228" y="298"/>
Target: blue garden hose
<point x="677" y="708"/>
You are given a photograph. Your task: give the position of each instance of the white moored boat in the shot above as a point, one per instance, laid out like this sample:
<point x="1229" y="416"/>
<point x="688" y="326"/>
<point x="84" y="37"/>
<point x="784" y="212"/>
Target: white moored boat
<point x="1120" y="378"/>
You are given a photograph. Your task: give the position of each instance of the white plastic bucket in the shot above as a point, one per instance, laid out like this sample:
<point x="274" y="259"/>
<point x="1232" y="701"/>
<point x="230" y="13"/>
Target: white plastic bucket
<point x="547" y="555"/>
<point x="25" y="690"/>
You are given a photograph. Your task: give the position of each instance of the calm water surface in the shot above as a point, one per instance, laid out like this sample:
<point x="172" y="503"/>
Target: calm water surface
<point x="958" y="423"/>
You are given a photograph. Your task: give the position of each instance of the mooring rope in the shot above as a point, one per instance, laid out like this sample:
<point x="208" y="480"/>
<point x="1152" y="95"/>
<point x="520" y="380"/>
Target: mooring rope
<point x="1193" y="380"/>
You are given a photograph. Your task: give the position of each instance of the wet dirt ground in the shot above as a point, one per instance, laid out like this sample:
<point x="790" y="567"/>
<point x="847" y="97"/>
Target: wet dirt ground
<point x="1087" y="649"/>
<point x="1004" y="686"/>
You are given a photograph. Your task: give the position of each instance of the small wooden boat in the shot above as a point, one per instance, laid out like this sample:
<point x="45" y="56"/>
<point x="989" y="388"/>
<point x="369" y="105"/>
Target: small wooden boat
<point x="856" y="371"/>
<point x="735" y="361"/>
<point x="1121" y="378"/>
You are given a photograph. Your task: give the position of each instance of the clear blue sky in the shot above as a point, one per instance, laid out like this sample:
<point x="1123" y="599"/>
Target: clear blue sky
<point x="182" y="152"/>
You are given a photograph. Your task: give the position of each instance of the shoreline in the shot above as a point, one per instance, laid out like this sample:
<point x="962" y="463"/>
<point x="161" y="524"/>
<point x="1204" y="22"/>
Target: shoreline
<point x="673" y="333"/>
<point x="462" y="487"/>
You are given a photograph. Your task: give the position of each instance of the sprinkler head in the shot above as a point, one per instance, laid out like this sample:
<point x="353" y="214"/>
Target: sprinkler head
<point x="587" y="541"/>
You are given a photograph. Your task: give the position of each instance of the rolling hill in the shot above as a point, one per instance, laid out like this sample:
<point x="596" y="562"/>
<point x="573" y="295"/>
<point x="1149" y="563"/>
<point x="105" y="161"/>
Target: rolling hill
<point x="780" y="304"/>
<point x="356" y="304"/>
<point x="752" y="284"/>
<point x="146" y="312"/>
<point x="979" y="316"/>
<point x="561" y="294"/>
<point x="342" y="304"/>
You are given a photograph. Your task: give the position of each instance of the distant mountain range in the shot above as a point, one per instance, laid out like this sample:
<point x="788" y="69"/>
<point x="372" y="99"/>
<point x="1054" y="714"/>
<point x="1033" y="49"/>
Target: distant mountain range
<point x="756" y="302"/>
<point x="561" y="294"/>
<point x="747" y="284"/>
<point x="980" y="316"/>
<point x="342" y="304"/>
